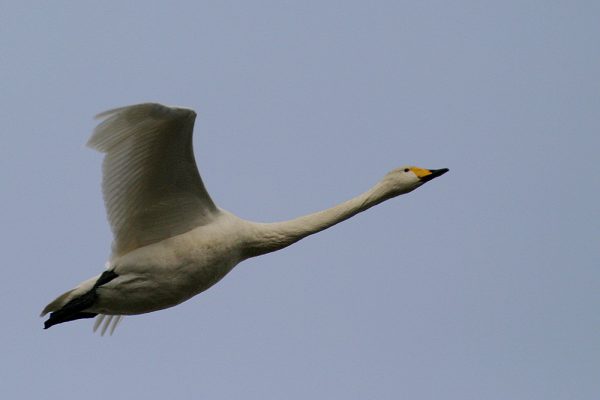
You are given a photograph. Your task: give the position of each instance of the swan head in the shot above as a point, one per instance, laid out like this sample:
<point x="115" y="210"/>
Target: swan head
<point x="407" y="178"/>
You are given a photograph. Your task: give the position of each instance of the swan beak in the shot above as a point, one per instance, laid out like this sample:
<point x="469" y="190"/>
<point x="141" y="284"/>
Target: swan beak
<point x="425" y="175"/>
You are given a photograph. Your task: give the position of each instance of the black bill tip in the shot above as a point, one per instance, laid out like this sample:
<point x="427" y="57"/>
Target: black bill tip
<point x="434" y="174"/>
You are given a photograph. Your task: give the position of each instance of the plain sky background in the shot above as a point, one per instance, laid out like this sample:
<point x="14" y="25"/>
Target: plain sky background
<point x="483" y="284"/>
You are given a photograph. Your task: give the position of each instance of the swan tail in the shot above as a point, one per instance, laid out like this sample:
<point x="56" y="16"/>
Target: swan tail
<point x="73" y="304"/>
<point x="58" y="302"/>
<point x="73" y="310"/>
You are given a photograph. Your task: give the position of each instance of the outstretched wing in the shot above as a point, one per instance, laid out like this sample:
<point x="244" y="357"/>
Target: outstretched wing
<point x="151" y="185"/>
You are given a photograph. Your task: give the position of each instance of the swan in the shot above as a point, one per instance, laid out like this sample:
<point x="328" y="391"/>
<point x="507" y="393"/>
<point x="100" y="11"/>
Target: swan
<point x="171" y="242"/>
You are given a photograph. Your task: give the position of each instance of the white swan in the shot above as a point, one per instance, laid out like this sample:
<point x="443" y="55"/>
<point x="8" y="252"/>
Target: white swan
<point x="171" y="241"/>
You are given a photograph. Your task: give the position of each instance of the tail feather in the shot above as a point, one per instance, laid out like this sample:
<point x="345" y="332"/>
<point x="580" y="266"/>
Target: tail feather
<point x="66" y="297"/>
<point x="73" y="310"/>
<point x="57" y="303"/>
<point x="72" y="305"/>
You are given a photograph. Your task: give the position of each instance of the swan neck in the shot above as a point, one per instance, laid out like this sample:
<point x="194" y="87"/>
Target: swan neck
<point x="269" y="237"/>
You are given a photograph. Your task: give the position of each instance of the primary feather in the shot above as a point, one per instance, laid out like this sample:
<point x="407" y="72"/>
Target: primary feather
<point x="151" y="186"/>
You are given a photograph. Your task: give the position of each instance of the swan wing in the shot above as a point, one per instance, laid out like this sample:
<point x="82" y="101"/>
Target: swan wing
<point x="152" y="188"/>
<point x="116" y="319"/>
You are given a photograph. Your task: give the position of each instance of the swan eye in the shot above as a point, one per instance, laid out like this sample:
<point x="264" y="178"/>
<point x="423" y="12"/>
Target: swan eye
<point x="406" y="169"/>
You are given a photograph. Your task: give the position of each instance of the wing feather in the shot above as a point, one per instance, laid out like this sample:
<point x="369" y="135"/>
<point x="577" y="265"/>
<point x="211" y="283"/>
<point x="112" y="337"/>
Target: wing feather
<point x="151" y="185"/>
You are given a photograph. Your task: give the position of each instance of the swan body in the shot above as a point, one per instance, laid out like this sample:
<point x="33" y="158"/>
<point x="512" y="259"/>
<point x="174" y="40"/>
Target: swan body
<point x="174" y="269"/>
<point x="171" y="241"/>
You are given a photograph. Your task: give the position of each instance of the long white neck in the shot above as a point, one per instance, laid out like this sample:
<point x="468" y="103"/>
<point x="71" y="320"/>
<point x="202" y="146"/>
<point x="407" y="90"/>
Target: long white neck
<point x="268" y="237"/>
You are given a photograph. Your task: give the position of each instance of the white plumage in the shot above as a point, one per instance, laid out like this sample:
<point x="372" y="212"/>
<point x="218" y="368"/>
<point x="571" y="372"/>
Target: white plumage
<point x="171" y="241"/>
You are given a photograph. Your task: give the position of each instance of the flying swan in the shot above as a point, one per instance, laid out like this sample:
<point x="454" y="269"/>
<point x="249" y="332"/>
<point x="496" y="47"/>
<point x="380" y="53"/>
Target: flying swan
<point x="171" y="241"/>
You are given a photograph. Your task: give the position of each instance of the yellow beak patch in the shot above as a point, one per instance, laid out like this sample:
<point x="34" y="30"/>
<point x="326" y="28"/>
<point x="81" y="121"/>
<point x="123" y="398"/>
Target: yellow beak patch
<point x="420" y="172"/>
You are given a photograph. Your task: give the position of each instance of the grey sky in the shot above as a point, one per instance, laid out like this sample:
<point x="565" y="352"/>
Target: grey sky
<point x="484" y="284"/>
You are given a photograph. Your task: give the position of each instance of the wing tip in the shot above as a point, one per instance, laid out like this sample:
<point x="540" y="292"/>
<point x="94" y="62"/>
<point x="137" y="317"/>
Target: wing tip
<point x="107" y="319"/>
<point x="116" y="123"/>
<point x="149" y="108"/>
